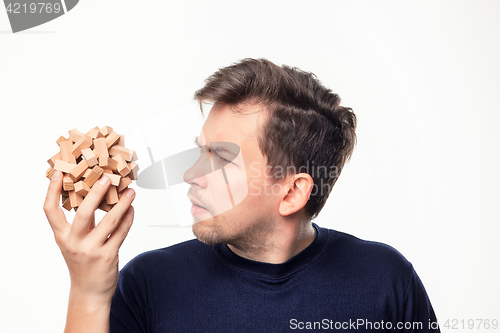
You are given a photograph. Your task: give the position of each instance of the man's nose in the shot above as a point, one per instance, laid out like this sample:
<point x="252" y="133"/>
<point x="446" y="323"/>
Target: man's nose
<point x="197" y="174"/>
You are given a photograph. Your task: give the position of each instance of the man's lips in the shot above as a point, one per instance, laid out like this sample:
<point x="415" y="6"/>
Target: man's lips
<point x="194" y="202"/>
<point x="198" y="209"/>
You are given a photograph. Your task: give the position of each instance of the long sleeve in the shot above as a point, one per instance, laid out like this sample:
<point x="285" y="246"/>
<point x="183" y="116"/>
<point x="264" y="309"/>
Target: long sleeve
<point x="418" y="309"/>
<point x="128" y="308"/>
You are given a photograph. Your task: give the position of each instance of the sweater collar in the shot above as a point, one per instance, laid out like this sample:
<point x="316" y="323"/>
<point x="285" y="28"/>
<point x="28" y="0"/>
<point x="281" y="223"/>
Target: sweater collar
<point x="275" y="271"/>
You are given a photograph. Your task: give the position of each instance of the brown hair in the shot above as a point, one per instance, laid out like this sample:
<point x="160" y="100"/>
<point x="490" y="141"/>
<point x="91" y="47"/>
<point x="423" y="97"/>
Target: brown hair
<point x="306" y="126"/>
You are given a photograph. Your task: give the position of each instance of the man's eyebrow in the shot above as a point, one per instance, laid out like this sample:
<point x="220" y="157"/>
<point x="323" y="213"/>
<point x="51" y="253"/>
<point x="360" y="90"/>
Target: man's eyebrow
<point x="214" y="146"/>
<point x="196" y="141"/>
<point x="222" y="148"/>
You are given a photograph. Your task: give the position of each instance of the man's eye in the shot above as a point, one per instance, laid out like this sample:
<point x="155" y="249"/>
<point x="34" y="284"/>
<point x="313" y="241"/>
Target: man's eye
<point x="224" y="161"/>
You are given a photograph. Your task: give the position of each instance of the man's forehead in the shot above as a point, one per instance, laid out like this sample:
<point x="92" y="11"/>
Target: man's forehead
<point x="227" y="124"/>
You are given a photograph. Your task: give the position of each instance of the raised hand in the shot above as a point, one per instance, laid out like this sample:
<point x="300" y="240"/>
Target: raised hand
<point x="90" y="252"/>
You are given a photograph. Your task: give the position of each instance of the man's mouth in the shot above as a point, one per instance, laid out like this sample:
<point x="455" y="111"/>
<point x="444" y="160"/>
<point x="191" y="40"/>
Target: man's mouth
<point x="197" y="208"/>
<point x="196" y="203"/>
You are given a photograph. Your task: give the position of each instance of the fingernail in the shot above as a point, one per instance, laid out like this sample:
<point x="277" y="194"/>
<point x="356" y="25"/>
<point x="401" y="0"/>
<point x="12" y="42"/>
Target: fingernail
<point x="56" y="175"/>
<point x="130" y="210"/>
<point x="104" y="180"/>
<point x="130" y="193"/>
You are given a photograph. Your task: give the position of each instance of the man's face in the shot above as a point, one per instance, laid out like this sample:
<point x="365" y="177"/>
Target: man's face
<point x="233" y="204"/>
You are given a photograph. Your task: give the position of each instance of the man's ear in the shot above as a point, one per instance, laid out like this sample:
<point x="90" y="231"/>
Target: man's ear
<point x="297" y="193"/>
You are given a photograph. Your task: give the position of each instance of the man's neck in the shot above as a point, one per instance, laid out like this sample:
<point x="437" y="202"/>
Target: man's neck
<point x="287" y="241"/>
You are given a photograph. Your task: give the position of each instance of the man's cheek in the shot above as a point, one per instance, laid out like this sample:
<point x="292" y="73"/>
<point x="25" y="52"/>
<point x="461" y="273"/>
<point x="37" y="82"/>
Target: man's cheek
<point x="219" y="195"/>
<point x="239" y="192"/>
<point x="238" y="184"/>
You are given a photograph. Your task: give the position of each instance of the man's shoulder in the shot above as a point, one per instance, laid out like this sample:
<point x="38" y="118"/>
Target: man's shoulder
<point x="355" y="244"/>
<point x="363" y="254"/>
<point x="171" y="257"/>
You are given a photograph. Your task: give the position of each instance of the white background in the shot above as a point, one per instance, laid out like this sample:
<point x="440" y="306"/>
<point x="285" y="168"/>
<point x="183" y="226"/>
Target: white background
<point x="422" y="76"/>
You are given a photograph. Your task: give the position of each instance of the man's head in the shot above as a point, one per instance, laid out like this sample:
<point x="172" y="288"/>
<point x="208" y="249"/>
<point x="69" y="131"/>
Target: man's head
<point x="291" y="131"/>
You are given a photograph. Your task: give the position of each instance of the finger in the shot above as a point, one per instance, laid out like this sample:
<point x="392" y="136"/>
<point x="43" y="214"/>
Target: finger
<point x="112" y="219"/>
<point x="92" y="223"/>
<point x="85" y="213"/>
<point x="53" y="211"/>
<point x="115" y="241"/>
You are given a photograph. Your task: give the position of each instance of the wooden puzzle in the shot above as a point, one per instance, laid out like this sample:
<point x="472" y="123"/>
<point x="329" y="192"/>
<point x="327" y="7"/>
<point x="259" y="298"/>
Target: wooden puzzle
<point x="84" y="157"/>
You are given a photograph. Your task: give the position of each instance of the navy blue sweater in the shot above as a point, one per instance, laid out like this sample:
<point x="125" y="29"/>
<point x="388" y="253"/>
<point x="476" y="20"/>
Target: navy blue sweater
<point x="338" y="283"/>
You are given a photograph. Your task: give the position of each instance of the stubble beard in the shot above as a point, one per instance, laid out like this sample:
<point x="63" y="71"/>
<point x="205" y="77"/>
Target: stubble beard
<point x="254" y="238"/>
<point x="209" y="231"/>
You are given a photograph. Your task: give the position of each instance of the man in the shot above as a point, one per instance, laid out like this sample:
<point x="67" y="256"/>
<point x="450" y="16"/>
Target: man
<point x="272" y="147"/>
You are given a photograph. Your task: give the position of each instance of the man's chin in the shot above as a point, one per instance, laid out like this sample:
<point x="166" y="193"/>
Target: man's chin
<point x="208" y="233"/>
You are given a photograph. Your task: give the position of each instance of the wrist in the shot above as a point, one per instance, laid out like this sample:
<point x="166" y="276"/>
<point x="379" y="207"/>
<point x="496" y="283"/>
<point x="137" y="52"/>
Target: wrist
<point x="87" y="313"/>
<point x="88" y="302"/>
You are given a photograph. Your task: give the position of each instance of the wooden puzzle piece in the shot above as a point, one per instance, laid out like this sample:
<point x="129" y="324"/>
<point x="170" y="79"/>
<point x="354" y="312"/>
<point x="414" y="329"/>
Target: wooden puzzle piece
<point x="115" y="179"/>
<point x="93" y="176"/>
<point x="77" y="172"/>
<point x="53" y="159"/>
<point x="122" y="166"/>
<point x="75" y="199"/>
<point x="112" y="165"/>
<point x="106" y="130"/>
<point x="83" y="158"/>
<point x="101" y="150"/>
<point x="88" y="154"/>
<point x="61" y="139"/>
<point x="127" y="154"/>
<point x="124" y="183"/>
<point x="121" y="142"/>
<point x="104" y="206"/>
<point x="82" y="188"/>
<point x="66" y="148"/>
<point x="66" y="203"/>
<point x="112" y="139"/>
<point x="134" y="170"/>
<point x="68" y="184"/>
<point x="74" y="135"/>
<point x="49" y="173"/>
<point x="84" y="142"/>
<point x="62" y="166"/>
<point x="111" y="195"/>
<point x="94" y="133"/>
